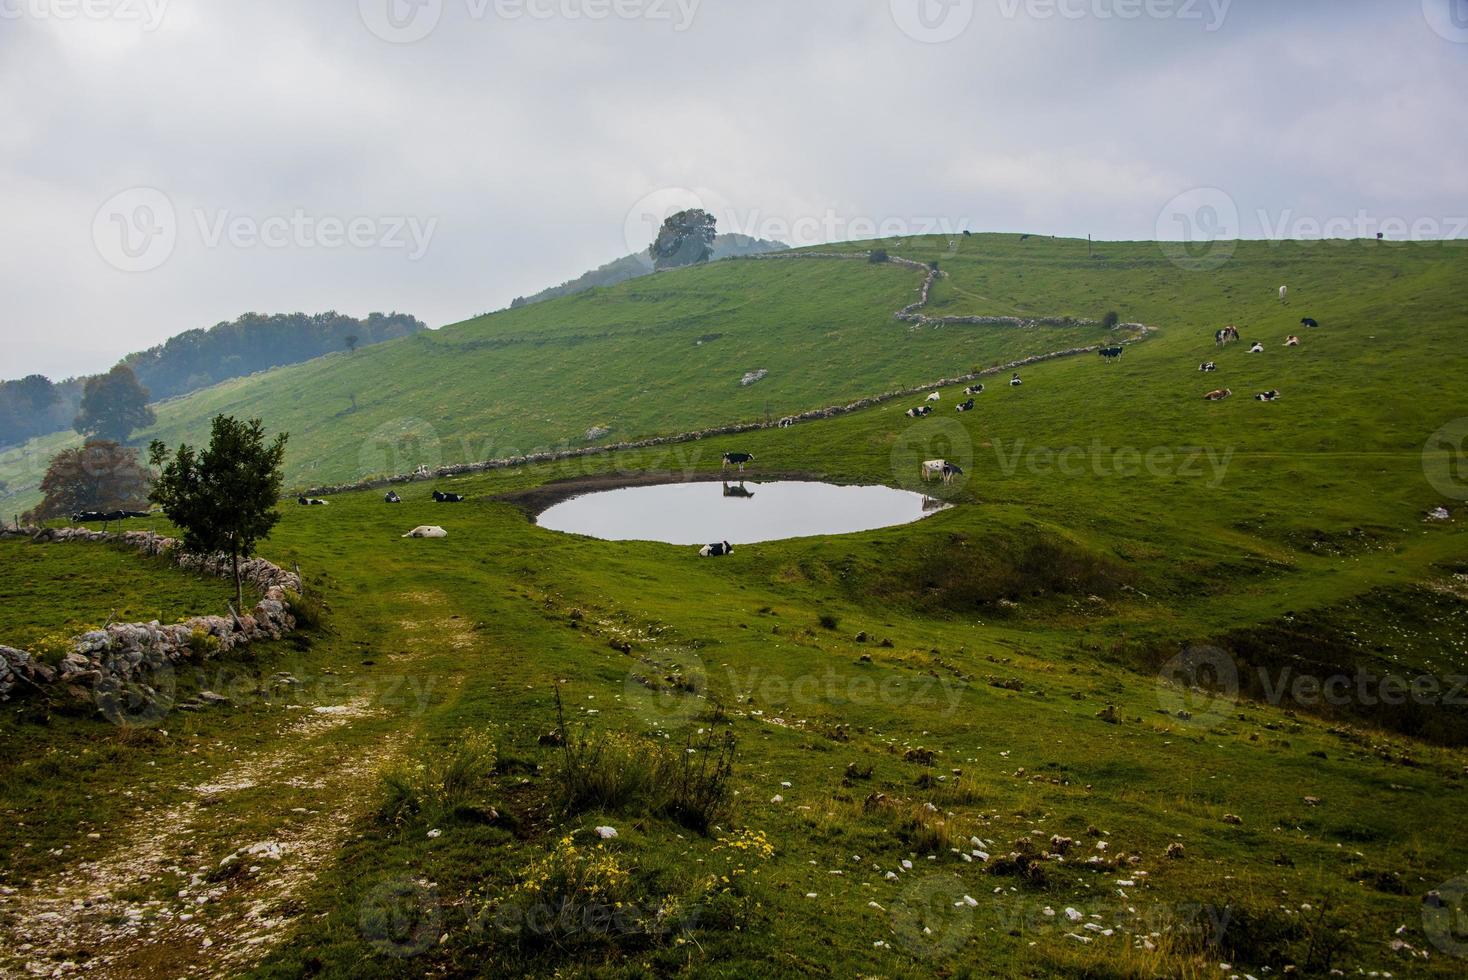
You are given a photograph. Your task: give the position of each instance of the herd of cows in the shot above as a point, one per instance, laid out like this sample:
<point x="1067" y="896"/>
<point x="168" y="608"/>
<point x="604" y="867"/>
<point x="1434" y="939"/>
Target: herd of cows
<point x="1229" y="335"/>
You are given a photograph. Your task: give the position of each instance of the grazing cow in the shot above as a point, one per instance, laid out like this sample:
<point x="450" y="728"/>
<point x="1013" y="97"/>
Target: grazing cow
<point x="1258" y="348"/>
<point x="1111" y="353"/>
<point x="309" y="502"/>
<point x="1284" y="294"/>
<point x="974" y="390"/>
<point x="787" y="421"/>
<point x="1226" y="336"/>
<point x="1292" y="341"/>
<point x="1208" y="366"/>
<point x="1268" y="396"/>
<point x="392" y="498"/>
<point x="737" y="459"/>
<point x="939" y="469"/>
<point x="1015" y="382"/>
<point x="738" y="491"/>
<point x="1306" y="321"/>
<point x="934" y="397"/>
<point x="920" y="412"/>
<point x="967" y="406"/>
<point x="716" y="550"/>
<point x="427" y="531"/>
<point x="447" y="498"/>
<point x="1218" y="395"/>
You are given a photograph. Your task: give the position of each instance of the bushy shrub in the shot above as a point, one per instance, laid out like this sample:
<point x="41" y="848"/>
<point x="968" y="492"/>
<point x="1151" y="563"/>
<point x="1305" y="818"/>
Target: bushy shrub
<point x="1111" y="320"/>
<point x="309" y="609"/>
<point x="877" y="256"/>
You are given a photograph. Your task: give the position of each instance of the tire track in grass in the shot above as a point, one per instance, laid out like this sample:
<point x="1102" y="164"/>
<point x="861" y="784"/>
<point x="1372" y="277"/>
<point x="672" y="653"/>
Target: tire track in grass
<point x="211" y="884"/>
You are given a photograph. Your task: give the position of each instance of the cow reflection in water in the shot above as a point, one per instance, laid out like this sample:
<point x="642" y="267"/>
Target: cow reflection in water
<point x="738" y="491"/>
<point x="933" y="503"/>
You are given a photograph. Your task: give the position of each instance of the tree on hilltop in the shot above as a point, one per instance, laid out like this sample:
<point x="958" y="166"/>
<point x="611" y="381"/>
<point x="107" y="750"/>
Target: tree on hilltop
<point x="686" y="238"/>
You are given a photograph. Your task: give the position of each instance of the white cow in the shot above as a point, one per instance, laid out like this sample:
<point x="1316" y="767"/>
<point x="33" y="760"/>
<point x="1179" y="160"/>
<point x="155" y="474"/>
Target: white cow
<point x="1258" y="348"/>
<point x="1284" y="294"/>
<point x="427" y="531"/>
<point x="934" y="397"/>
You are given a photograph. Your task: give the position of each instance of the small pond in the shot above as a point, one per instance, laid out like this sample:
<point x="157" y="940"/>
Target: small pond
<point x="740" y="513"/>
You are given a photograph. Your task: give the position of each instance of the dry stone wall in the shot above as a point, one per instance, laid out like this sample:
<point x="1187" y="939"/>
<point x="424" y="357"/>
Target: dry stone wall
<point x="101" y="660"/>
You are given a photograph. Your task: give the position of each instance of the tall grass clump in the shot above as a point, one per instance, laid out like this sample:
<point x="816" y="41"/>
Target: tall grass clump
<point x="615" y="771"/>
<point x="450" y="785"/>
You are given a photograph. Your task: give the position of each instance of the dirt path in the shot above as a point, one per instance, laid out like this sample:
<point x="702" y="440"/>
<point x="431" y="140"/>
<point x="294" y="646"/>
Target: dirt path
<point x="209" y="884"/>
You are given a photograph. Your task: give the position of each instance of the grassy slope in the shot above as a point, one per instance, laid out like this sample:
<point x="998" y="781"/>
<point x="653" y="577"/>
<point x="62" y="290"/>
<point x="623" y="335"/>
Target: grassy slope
<point x="481" y="624"/>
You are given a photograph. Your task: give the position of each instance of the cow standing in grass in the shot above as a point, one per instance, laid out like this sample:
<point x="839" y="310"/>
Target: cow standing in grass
<point x="716" y="550"/>
<point x="737" y="459"/>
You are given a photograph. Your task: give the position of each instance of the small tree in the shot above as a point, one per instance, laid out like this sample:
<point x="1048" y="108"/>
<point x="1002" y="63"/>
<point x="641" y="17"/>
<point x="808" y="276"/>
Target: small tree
<point x="686" y="238"/>
<point x="1110" y="320"/>
<point x="114" y="406"/>
<point x="877" y="256"/>
<point x="351" y="343"/>
<point x="100" y="476"/>
<point x="223" y="499"/>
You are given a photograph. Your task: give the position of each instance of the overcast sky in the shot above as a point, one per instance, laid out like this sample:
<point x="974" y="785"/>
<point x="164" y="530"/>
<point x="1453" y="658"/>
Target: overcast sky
<point x="168" y="164"/>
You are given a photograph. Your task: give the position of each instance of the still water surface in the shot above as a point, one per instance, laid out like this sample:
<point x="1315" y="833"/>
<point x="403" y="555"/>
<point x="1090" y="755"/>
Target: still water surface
<point x="740" y="513"/>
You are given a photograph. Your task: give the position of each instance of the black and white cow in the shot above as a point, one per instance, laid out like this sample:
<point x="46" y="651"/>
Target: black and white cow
<point x="967" y="406"/>
<point x="1258" y="348"/>
<point x="974" y="390"/>
<point x="787" y="422"/>
<point x="716" y="550"/>
<point x="392" y="498"/>
<point x="939" y="469"/>
<point x="106" y="517"/>
<point x="737" y="459"/>
<point x="310" y="502"/>
<point x="447" y="498"/>
<point x="1306" y="321"/>
<point x="1207" y="366"/>
<point x="920" y="412"/>
<point x="1015" y="382"/>
<point x="1267" y="396"/>
<point x="739" y="491"/>
<point x="1111" y="353"/>
<point x="1226" y="336"/>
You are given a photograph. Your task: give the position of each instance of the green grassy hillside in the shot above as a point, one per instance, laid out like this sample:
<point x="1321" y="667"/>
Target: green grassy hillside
<point x="990" y="673"/>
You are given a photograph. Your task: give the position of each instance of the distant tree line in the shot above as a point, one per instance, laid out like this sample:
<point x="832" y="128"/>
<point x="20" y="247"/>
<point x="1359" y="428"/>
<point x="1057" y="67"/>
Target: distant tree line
<point x="35" y="406"/>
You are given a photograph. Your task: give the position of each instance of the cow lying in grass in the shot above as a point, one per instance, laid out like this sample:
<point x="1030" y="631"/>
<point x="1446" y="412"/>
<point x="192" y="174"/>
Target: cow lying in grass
<point x="919" y="412"/>
<point x="107" y="517"/>
<point x="934" y="397"/>
<point x="1208" y="366"/>
<point x="1015" y="382"/>
<point x="1306" y="321"/>
<point x="310" y="502"/>
<point x="427" y="531"/>
<point x="1292" y="341"/>
<point x="1268" y="396"/>
<point x="392" y="498"/>
<point x="967" y="406"/>
<point x="1258" y="348"/>
<point x="1219" y="395"/>
<point x="447" y="498"/>
<point x="974" y="390"/>
<point x="717" y="550"/>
